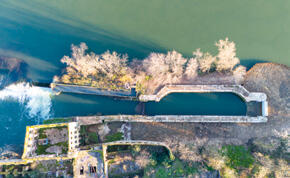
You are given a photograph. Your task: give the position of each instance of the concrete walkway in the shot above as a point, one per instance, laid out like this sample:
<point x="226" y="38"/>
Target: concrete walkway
<point x="87" y="120"/>
<point x="91" y="90"/>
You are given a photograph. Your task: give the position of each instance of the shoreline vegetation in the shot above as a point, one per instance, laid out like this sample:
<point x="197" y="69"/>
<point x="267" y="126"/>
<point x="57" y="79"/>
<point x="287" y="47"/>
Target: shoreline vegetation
<point x="112" y="71"/>
<point x="229" y="150"/>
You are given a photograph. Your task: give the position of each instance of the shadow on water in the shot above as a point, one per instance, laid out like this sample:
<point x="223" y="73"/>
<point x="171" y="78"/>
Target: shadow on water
<point x="198" y="104"/>
<point x="174" y="104"/>
<point x="11" y="71"/>
<point x="65" y="105"/>
<point x="249" y="63"/>
<point x="39" y="35"/>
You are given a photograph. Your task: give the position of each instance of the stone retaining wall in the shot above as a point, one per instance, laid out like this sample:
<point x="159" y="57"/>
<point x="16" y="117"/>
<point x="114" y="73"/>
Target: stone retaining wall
<point x="13" y="162"/>
<point x="169" y="118"/>
<point x="91" y="90"/>
<point x="131" y="142"/>
<point x="30" y="138"/>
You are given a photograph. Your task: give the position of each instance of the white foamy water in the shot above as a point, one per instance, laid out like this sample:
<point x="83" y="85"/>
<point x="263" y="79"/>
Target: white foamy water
<point x="36" y="100"/>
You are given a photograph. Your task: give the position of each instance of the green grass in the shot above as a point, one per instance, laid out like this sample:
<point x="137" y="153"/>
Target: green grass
<point x="101" y="153"/>
<point x="41" y="133"/>
<point x="169" y="168"/>
<point x="64" y="147"/>
<point x="40" y="150"/>
<point x="93" y="138"/>
<point x="88" y="138"/>
<point x="60" y="127"/>
<point x="114" y="137"/>
<point x="238" y="157"/>
<point x="57" y="120"/>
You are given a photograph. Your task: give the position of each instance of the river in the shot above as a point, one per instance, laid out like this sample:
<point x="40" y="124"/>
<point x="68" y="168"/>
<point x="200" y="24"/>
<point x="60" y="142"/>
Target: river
<point x="41" y="32"/>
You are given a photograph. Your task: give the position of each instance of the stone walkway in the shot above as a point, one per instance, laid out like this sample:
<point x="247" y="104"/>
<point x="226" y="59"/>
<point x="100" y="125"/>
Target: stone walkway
<point x="170" y="118"/>
<point x="91" y="90"/>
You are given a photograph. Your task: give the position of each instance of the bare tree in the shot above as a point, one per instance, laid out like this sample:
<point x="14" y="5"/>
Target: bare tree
<point x="239" y="74"/>
<point x="191" y="68"/>
<point x="109" y="70"/>
<point x="227" y="59"/>
<point x="166" y="68"/>
<point x="205" y="62"/>
<point x="112" y="64"/>
<point x="155" y="65"/>
<point x="105" y="70"/>
<point x="80" y="62"/>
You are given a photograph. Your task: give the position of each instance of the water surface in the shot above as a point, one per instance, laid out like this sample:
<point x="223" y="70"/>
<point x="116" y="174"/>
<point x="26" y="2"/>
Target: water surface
<point x="40" y="32"/>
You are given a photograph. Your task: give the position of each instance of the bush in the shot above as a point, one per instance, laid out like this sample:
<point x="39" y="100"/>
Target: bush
<point x="169" y="168"/>
<point x="40" y="150"/>
<point x="114" y="137"/>
<point x="41" y="134"/>
<point x="93" y="138"/>
<point x="57" y="120"/>
<point x="64" y="147"/>
<point x="237" y="157"/>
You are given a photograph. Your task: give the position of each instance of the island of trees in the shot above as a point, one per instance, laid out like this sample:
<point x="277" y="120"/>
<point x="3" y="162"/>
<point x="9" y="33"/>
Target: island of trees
<point x="113" y="71"/>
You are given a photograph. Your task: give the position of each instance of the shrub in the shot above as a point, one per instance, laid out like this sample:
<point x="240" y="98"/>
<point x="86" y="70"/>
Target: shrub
<point x="237" y="157"/>
<point x="41" y="134"/>
<point x="40" y="150"/>
<point x="114" y="137"/>
<point x="57" y="120"/>
<point x="93" y="138"/>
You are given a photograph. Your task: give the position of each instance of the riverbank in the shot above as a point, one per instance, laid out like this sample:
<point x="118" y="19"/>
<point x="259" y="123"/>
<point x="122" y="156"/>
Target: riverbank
<point x="272" y="79"/>
<point x="269" y="78"/>
<point x="187" y="139"/>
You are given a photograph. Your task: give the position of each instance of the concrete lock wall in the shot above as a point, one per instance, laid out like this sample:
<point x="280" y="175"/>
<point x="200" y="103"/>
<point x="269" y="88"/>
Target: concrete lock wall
<point x="169" y="118"/>
<point x="237" y="89"/>
<point x="167" y="89"/>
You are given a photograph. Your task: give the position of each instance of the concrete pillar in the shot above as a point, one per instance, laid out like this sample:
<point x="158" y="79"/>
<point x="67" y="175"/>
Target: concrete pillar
<point x="104" y="147"/>
<point x="265" y="108"/>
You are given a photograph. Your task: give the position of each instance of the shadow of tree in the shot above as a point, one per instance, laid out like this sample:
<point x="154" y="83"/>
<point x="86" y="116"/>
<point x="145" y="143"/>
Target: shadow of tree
<point x="39" y="35"/>
<point x="249" y="63"/>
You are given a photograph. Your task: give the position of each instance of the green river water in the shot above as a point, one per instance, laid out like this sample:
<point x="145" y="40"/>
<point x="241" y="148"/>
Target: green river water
<point x="41" y="32"/>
